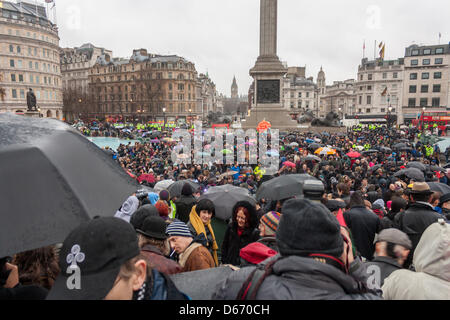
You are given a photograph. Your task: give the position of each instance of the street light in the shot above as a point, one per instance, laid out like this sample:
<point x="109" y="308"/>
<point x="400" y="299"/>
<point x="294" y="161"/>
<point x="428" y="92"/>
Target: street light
<point x="164" y="113"/>
<point x="423" y="119"/>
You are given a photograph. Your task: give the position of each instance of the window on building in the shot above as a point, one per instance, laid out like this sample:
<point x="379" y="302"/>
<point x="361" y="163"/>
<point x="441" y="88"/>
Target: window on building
<point x="384" y="75"/>
<point x="360" y="99"/>
<point x="14" y="93"/>
<point x="413" y="76"/>
<point x="370" y="77"/>
<point x="437" y="88"/>
<point x="361" y="88"/>
<point x="426" y="75"/>
<point x="36" y="65"/>
<point x="369" y="99"/>
<point x="439" y="50"/>
<point x="426" y="62"/>
<point x="414" y="62"/>
<point x="439" y="61"/>
<point x="367" y="110"/>
<point x="361" y="77"/>
<point x="415" y="52"/>
<point x="22" y="94"/>
<point x="31" y="78"/>
<point x="383" y="110"/>
<point x="13" y="78"/>
<point x="307" y="94"/>
<point x="423" y="102"/>
<point x="427" y="51"/>
<point x="18" y="49"/>
<point x="11" y="63"/>
<point x="436" y="102"/>
<point x="11" y="48"/>
<point x="20" y="77"/>
<point x="395" y="75"/>
<point x="412" y="89"/>
<point x="424" y="89"/>
<point x="369" y="88"/>
<point x="292" y="105"/>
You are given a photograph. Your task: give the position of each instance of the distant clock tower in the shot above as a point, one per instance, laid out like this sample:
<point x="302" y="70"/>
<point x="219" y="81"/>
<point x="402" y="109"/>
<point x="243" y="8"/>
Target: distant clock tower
<point x="234" y="89"/>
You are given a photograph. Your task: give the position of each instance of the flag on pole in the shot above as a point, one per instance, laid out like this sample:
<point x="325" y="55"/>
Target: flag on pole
<point x="384" y="92"/>
<point x="383" y="49"/>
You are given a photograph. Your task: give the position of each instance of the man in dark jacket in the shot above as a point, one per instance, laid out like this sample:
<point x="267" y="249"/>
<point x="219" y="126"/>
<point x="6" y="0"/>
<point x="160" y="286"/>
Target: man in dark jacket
<point x="185" y="203"/>
<point x="418" y="217"/>
<point x="363" y="223"/>
<point x="240" y="232"/>
<point x="314" y="262"/>
<point x="391" y="250"/>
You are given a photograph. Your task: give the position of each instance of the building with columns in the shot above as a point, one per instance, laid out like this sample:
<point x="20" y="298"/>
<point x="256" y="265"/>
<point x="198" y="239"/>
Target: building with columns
<point x="29" y="58"/>
<point x="339" y="98"/>
<point x="299" y="93"/>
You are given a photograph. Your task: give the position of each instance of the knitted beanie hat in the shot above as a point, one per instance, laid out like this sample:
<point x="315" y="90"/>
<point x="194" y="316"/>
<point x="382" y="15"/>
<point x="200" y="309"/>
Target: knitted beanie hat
<point x="178" y="229"/>
<point x="270" y="221"/>
<point x="308" y="227"/>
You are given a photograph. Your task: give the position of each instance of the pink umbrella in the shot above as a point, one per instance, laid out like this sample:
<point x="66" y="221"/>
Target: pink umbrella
<point x="289" y="164"/>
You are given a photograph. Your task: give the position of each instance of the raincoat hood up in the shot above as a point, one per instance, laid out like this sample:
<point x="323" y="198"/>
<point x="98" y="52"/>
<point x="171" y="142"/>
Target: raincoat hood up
<point x="431" y="281"/>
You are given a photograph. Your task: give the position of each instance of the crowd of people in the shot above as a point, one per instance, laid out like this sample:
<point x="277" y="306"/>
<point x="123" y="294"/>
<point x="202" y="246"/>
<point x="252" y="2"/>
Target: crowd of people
<point x="380" y="231"/>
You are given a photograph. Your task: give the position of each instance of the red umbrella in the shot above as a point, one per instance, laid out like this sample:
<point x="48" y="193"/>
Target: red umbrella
<point x="147" y="177"/>
<point x="354" y="154"/>
<point x="289" y="164"/>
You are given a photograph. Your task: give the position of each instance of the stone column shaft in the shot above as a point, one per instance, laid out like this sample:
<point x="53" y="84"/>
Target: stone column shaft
<point x="268" y="28"/>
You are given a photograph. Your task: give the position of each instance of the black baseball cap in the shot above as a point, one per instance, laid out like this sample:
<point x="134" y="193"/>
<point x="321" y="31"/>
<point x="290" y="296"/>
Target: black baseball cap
<point x="98" y="248"/>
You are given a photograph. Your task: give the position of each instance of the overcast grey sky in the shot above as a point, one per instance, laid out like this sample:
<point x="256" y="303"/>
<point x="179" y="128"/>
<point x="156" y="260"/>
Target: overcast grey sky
<point x="222" y="36"/>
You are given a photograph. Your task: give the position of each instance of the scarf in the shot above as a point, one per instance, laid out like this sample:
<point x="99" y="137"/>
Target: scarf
<point x="199" y="227"/>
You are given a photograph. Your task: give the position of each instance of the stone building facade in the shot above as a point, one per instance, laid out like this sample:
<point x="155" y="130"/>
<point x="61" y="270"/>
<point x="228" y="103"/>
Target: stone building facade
<point x="299" y="93"/>
<point x="378" y="89"/>
<point x="29" y="58"/>
<point x="143" y="88"/>
<point x="426" y="81"/>
<point x="339" y="98"/>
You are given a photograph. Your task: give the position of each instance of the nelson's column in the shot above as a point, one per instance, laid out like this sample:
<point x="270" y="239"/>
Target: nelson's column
<point x="268" y="73"/>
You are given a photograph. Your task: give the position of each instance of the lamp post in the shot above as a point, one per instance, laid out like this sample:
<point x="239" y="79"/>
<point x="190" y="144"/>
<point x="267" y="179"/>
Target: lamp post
<point x="423" y="119"/>
<point x="164" y="113"/>
<point x="190" y="117"/>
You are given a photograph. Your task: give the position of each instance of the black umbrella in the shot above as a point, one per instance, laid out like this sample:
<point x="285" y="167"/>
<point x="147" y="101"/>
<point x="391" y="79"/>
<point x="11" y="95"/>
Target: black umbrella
<point x="439" y="187"/>
<point x="314" y="146"/>
<point x="404" y="140"/>
<point x="369" y="152"/>
<point x="437" y="168"/>
<point x="447" y="166"/>
<point x="376" y="167"/>
<point x="412" y="173"/>
<point x="225" y="198"/>
<point x="386" y="150"/>
<point x="418" y="165"/>
<point x="51" y="179"/>
<point x="312" y="158"/>
<point x="176" y="187"/>
<point x="399" y="146"/>
<point x="405" y="149"/>
<point x="280" y="188"/>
